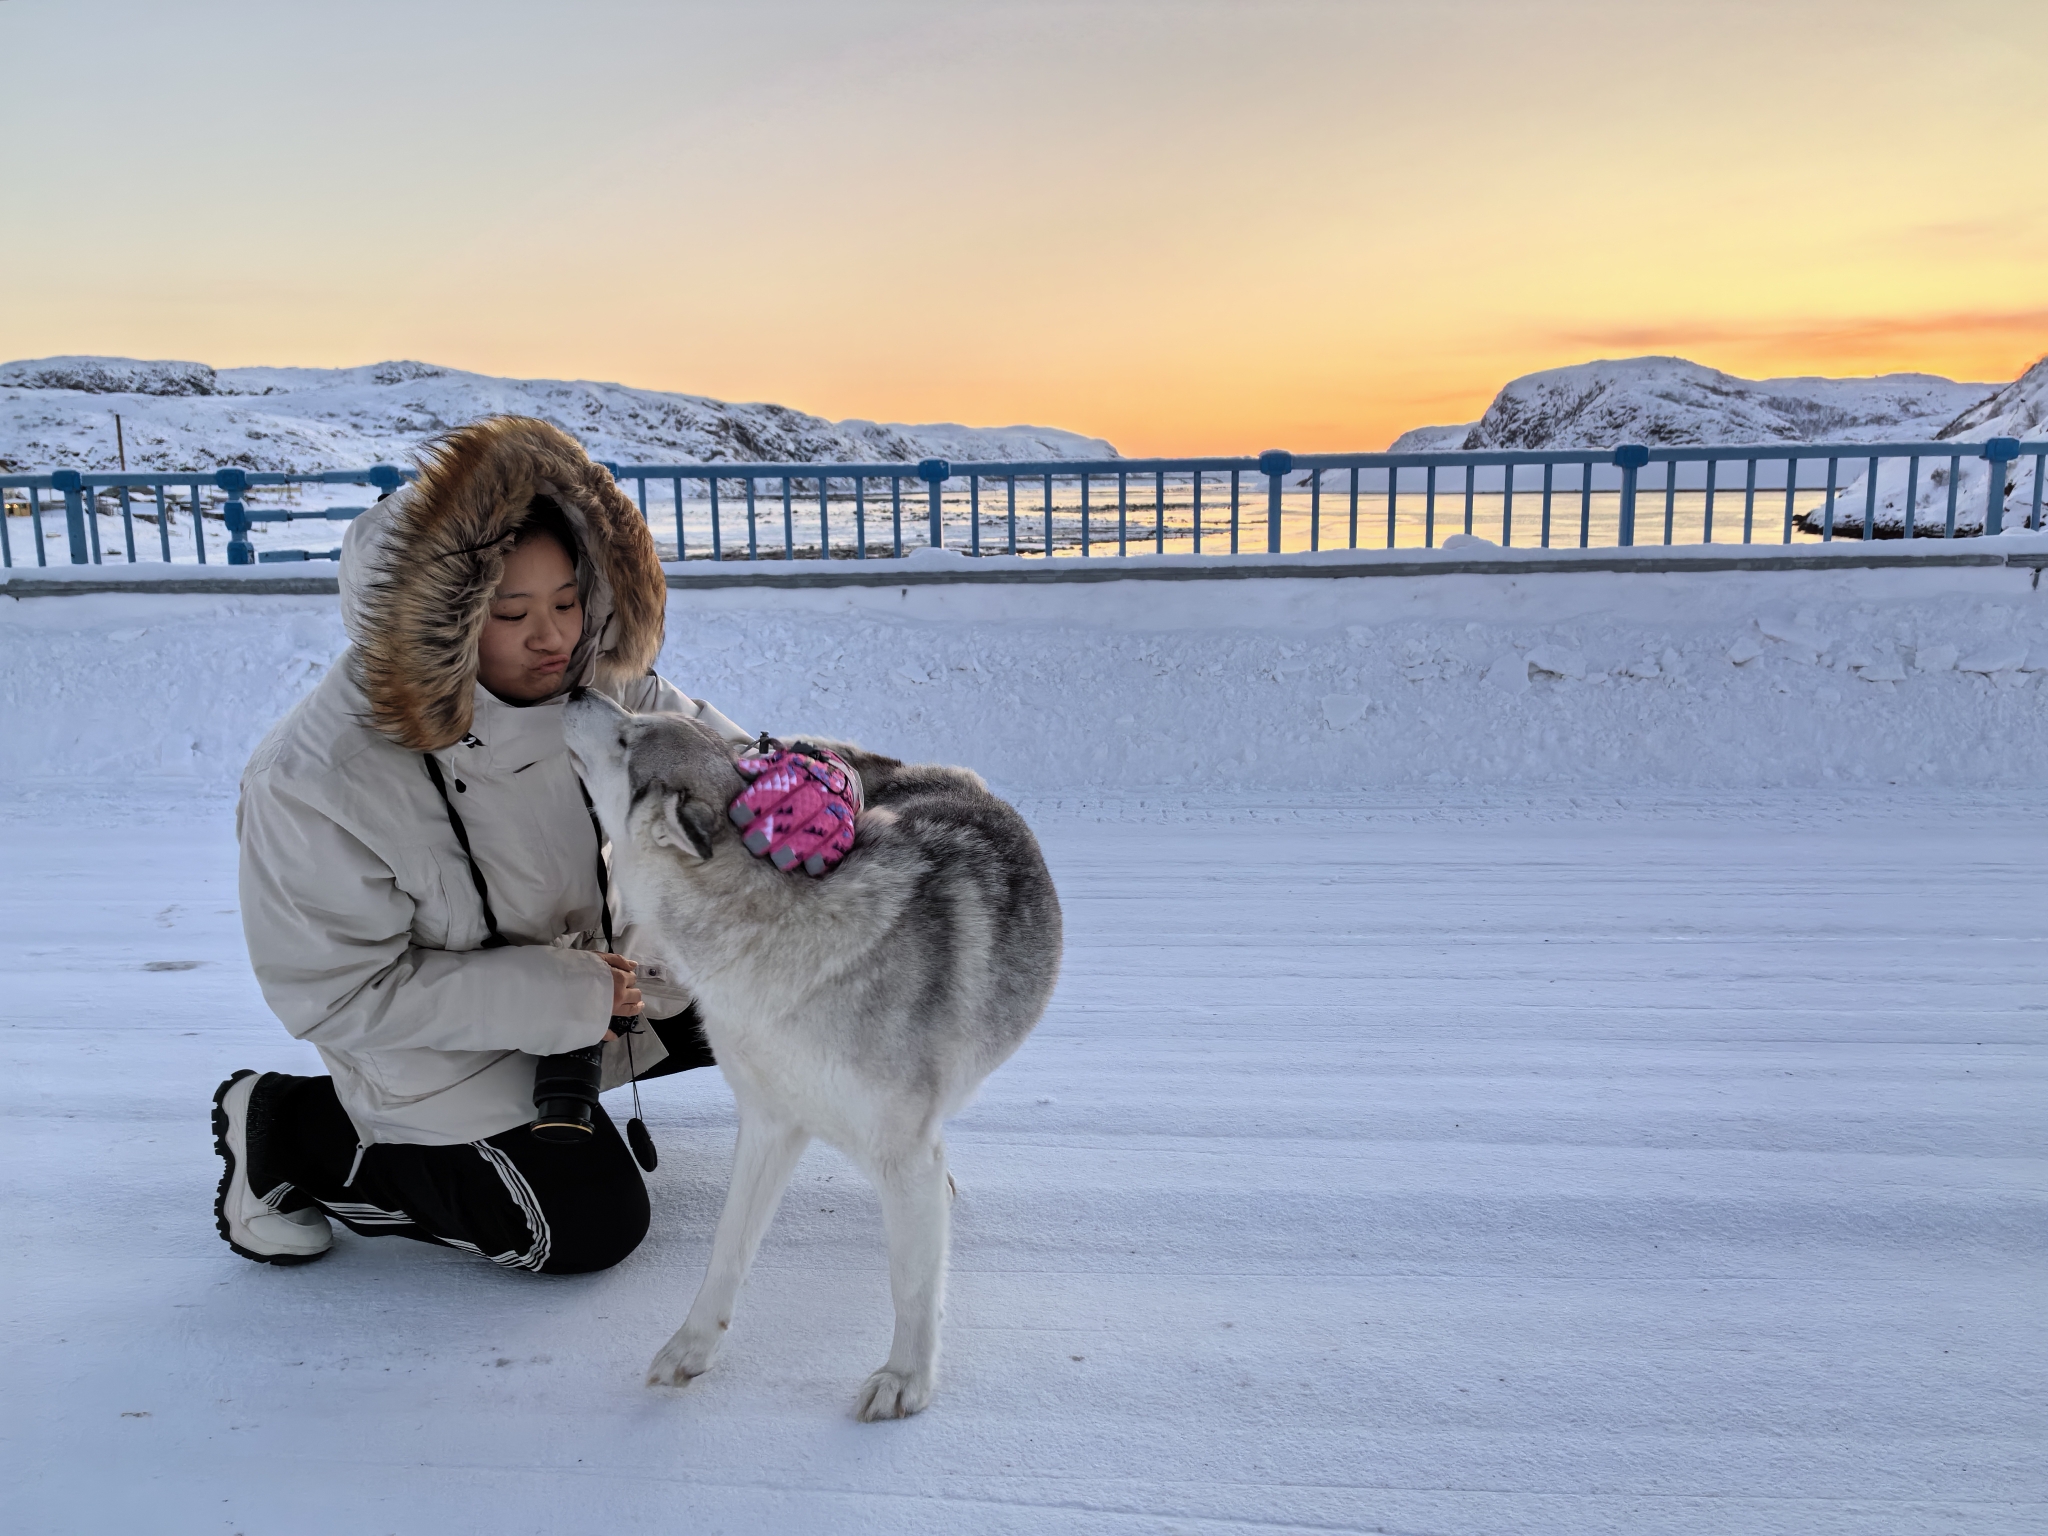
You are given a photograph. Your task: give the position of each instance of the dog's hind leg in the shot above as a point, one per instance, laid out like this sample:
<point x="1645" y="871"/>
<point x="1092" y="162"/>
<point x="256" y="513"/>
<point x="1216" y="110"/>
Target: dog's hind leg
<point x="915" y="1214"/>
<point x="761" y="1166"/>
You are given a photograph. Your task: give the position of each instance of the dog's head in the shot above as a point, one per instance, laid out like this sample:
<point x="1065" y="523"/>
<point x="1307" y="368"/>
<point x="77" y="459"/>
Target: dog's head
<point x="658" y="781"/>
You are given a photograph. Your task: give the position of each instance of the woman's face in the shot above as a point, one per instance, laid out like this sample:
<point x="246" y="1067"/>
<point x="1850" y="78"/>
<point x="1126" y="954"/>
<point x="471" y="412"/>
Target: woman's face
<point x="536" y="620"/>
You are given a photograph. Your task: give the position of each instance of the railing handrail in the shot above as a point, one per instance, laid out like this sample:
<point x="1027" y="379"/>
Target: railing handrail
<point x="1684" y="453"/>
<point x="1480" y="458"/>
<point x="113" y="479"/>
<point x="1448" y="458"/>
<point x="1449" y="475"/>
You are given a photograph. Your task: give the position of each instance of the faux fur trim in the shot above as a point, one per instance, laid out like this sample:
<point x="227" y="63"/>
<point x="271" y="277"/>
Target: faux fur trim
<point x="428" y="592"/>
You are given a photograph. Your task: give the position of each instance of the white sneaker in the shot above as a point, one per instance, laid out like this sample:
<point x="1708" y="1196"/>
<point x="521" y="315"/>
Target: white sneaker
<point x="249" y="1223"/>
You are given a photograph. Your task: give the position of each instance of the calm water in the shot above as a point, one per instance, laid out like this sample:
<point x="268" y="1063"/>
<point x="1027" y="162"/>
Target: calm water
<point x="1146" y="526"/>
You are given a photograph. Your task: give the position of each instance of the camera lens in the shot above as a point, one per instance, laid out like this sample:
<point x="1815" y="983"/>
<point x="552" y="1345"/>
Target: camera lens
<point x="565" y="1095"/>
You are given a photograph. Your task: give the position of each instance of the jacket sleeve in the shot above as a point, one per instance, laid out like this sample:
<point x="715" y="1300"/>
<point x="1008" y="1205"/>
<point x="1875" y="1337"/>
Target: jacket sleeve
<point x="656" y="695"/>
<point x="330" y="938"/>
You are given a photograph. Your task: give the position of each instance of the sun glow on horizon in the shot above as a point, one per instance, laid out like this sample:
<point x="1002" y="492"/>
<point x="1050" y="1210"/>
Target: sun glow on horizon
<point x="1198" y="227"/>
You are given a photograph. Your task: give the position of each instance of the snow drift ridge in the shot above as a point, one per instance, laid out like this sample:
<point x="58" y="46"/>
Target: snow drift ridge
<point x="1806" y="681"/>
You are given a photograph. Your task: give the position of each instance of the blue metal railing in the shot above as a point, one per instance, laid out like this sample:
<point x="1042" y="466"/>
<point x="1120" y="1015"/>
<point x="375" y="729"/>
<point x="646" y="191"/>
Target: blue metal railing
<point x="1070" y="523"/>
<point x="78" y="493"/>
<point x="1083" y="507"/>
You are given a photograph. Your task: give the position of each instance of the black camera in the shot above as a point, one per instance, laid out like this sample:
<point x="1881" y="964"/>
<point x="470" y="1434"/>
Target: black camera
<point x="565" y="1091"/>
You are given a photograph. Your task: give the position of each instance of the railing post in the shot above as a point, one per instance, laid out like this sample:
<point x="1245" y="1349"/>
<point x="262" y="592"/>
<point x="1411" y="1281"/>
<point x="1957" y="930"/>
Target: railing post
<point x="66" y="480"/>
<point x="1629" y="458"/>
<point x="2000" y="451"/>
<point x="1274" y="463"/>
<point x="236" y="515"/>
<point x="386" y="478"/>
<point x="935" y="473"/>
<point x="35" y="515"/>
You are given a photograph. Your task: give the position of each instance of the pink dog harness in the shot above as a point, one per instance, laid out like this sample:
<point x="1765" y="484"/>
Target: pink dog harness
<point x="800" y="808"/>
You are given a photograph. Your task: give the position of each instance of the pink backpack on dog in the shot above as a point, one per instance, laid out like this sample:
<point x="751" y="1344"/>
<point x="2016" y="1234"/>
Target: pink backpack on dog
<point x="801" y="807"/>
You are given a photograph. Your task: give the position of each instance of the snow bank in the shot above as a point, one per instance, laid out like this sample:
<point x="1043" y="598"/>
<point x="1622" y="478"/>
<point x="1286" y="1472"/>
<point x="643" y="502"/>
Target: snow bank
<point x="1697" y="681"/>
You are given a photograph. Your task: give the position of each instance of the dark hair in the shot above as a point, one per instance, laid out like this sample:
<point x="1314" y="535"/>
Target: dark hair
<point x="544" y="516"/>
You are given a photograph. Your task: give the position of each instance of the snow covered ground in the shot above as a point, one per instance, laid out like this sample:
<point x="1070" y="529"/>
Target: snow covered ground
<point x="1436" y="1168"/>
<point x="1480" y="1098"/>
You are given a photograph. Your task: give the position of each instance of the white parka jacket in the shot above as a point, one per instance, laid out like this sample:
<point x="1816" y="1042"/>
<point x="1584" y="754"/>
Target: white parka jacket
<point x="363" y="923"/>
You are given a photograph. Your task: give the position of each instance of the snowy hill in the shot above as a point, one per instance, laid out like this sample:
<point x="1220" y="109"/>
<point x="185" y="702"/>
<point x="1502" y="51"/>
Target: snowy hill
<point x="59" y="413"/>
<point x="2019" y="410"/>
<point x="1667" y="400"/>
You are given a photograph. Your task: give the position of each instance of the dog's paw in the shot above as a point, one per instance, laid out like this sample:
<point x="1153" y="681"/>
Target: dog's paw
<point x="682" y="1357"/>
<point x="888" y="1395"/>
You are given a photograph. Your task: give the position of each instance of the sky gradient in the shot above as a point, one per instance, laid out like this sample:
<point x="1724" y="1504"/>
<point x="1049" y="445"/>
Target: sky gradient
<point x="1197" y="225"/>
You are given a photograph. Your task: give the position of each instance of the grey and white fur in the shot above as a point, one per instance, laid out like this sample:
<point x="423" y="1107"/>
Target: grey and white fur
<point x="864" y="1008"/>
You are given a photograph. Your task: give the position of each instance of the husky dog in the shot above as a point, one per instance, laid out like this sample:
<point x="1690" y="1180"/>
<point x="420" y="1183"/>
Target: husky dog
<point x="864" y="1008"/>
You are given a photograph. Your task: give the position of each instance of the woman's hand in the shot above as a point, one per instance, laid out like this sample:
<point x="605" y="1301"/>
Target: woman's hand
<point x="626" y="999"/>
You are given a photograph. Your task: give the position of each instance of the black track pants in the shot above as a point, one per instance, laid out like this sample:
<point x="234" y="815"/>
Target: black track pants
<point x="518" y="1201"/>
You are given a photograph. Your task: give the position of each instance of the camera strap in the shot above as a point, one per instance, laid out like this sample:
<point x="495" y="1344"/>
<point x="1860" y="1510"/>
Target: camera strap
<point x="636" y="1128"/>
<point x="497" y="940"/>
<point x="637" y="1136"/>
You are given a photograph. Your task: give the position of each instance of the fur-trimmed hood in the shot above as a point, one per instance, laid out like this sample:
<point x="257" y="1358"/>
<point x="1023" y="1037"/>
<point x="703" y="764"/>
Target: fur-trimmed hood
<point x="418" y="570"/>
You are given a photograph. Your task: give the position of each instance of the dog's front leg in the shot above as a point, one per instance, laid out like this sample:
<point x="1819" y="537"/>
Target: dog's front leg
<point x="761" y="1166"/>
<point x="914" y="1212"/>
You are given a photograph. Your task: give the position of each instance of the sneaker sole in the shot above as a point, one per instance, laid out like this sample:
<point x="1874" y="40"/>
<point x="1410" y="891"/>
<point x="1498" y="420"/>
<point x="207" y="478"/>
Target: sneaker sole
<point x="227" y="1176"/>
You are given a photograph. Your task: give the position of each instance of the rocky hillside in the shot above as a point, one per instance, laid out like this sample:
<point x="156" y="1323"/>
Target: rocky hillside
<point x="2019" y="410"/>
<point x="59" y="413"/>
<point x="1667" y="400"/>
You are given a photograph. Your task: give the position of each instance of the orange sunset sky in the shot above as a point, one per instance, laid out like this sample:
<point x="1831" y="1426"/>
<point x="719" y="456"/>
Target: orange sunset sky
<point x="1190" y="225"/>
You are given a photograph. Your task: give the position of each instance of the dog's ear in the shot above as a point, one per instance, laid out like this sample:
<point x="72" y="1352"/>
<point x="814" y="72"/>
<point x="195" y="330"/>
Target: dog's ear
<point x="685" y="825"/>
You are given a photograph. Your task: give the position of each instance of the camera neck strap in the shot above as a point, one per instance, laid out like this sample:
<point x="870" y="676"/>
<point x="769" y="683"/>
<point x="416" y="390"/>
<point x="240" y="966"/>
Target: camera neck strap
<point x="604" y="874"/>
<point x="497" y="939"/>
<point x="636" y="1128"/>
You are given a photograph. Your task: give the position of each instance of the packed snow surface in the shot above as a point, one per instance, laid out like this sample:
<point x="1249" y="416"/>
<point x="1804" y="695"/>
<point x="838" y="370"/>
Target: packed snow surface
<point x="1553" y="1054"/>
<point x="1433" y="1168"/>
<point x="58" y="413"/>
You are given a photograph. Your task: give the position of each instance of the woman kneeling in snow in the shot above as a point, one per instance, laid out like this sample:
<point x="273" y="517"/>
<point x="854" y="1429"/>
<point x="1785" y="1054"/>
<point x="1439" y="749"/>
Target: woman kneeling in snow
<point x="421" y="881"/>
